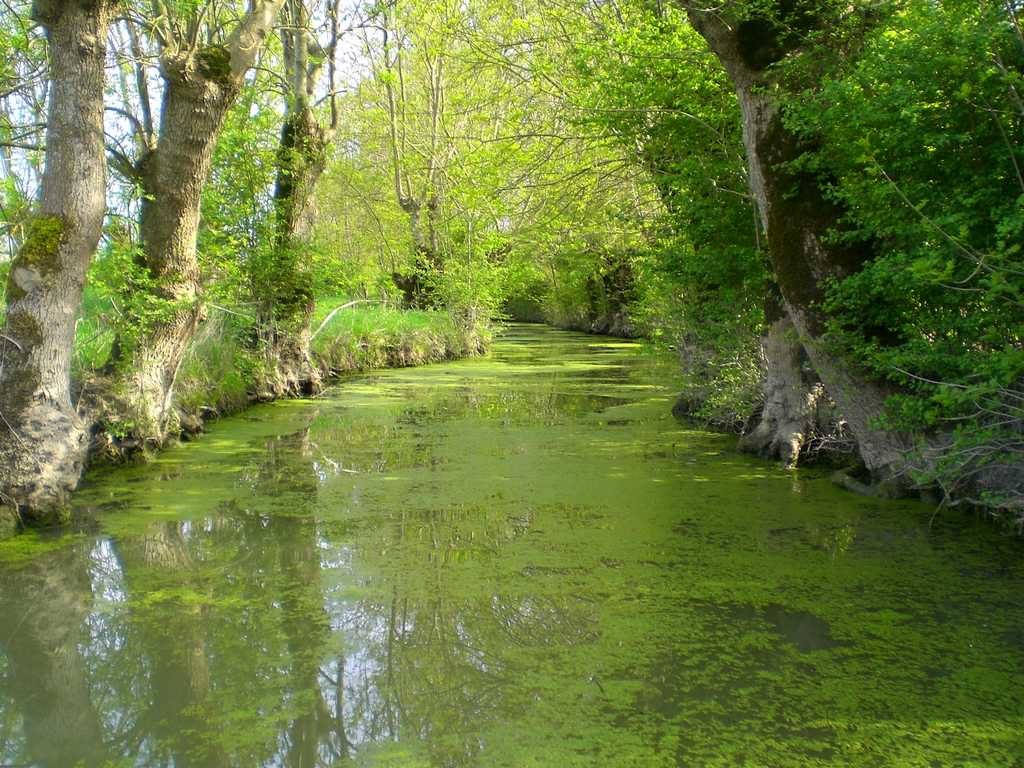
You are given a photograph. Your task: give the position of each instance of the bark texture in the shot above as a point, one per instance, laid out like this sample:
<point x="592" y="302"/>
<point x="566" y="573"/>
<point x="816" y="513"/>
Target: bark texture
<point x="789" y="413"/>
<point x="200" y="87"/>
<point x="286" y="293"/>
<point x="43" y="441"/>
<point x="797" y="216"/>
<point x="173" y="176"/>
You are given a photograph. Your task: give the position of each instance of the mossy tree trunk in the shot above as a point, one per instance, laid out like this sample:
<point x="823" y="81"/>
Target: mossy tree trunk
<point x="43" y="441"/>
<point x="200" y="86"/>
<point x="284" y="291"/>
<point x="797" y="217"/>
<point x="173" y="176"/>
<point x="790" y="397"/>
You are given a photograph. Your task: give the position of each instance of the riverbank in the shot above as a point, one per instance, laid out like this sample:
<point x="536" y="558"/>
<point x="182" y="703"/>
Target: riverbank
<point x="222" y="374"/>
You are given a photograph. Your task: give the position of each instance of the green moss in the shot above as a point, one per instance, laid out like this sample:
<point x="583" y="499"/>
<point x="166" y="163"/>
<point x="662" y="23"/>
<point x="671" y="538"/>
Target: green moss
<point x="40" y="249"/>
<point x="586" y="582"/>
<point x="40" y="252"/>
<point x="31" y="545"/>
<point x="214" y="63"/>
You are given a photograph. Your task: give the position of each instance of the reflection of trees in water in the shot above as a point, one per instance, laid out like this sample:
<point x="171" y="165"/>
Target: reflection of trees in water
<point x="347" y="443"/>
<point x="46" y="604"/>
<point x="266" y="636"/>
<point x="173" y="631"/>
<point x="343" y="445"/>
<point x="538" y="402"/>
<point x="385" y="439"/>
<point x="441" y="671"/>
<point x="316" y="735"/>
<point x="422" y="665"/>
<point x="437" y="661"/>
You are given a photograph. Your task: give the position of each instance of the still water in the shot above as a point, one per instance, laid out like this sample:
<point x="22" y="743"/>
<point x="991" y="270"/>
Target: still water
<point x="520" y="561"/>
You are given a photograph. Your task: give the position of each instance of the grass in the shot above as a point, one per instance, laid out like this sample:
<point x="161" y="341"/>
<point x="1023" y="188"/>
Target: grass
<point x="365" y="318"/>
<point x="365" y="338"/>
<point x="221" y="371"/>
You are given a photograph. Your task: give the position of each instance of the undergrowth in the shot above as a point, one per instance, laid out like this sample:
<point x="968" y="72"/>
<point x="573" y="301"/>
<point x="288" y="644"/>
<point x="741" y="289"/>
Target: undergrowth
<point x="221" y="369"/>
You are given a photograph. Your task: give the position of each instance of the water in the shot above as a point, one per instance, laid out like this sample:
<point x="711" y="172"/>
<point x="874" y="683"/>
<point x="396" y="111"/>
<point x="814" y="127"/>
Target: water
<point x="519" y="562"/>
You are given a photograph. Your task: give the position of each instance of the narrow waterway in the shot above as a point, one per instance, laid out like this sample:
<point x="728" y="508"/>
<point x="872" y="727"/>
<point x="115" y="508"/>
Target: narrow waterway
<point x="520" y="561"/>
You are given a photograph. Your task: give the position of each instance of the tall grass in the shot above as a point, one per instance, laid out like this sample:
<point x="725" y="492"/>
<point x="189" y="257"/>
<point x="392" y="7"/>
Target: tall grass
<point x="363" y="338"/>
<point x="221" y="370"/>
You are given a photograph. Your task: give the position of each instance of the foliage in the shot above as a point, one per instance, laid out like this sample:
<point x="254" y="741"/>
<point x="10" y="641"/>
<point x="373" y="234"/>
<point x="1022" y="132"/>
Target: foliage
<point x="922" y="134"/>
<point x="219" y="373"/>
<point x="583" y="163"/>
<point x="648" y="80"/>
<point x="236" y="238"/>
<point x="126" y="296"/>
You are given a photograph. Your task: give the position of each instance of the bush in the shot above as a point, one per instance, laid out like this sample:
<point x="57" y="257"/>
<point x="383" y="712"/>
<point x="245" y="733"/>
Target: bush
<point x="922" y="136"/>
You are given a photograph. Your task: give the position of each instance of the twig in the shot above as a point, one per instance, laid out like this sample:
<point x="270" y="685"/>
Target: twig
<point x="229" y="311"/>
<point x="5" y="337"/>
<point x="336" y="310"/>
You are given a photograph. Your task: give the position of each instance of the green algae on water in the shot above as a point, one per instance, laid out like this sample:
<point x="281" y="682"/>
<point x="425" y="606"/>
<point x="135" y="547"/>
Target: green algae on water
<point x="515" y="562"/>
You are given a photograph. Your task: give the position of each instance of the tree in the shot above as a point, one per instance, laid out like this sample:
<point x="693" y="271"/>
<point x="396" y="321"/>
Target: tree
<point x="284" y="287"/>
<point x="426" y="103"/>
<point x="796" y="212"/>
<point x="645" y="78"/>
<point x="43" y="440"/>
<point x="203" y="66"/>
<point x="920" y="129"/>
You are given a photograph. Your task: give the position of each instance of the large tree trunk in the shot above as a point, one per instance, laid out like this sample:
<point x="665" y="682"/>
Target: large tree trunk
<point x="173" y="176"/>
<point x="43" y="442"/>
<point x="797" y="217"/>
<point x="790" y="401"/>
<point x="286" y="297"/>
<point x="200" y="87"/>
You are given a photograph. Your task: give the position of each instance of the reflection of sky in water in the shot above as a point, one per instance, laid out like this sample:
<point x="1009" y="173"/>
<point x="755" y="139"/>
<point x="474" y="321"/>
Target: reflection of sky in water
<point x="521" y="561"/>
